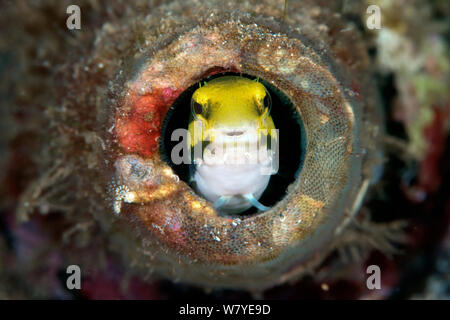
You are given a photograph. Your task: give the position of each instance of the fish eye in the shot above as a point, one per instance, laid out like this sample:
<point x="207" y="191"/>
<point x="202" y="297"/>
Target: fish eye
<point x="197" y="107"/>
<point x="267" y="101"/>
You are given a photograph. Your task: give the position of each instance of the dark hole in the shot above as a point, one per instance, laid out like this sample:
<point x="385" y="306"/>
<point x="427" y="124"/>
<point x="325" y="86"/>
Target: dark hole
<point x="286" y="119"/>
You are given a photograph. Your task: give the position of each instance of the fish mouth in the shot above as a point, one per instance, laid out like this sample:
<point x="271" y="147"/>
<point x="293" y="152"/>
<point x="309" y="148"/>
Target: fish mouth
<point x="235" y="133"/>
